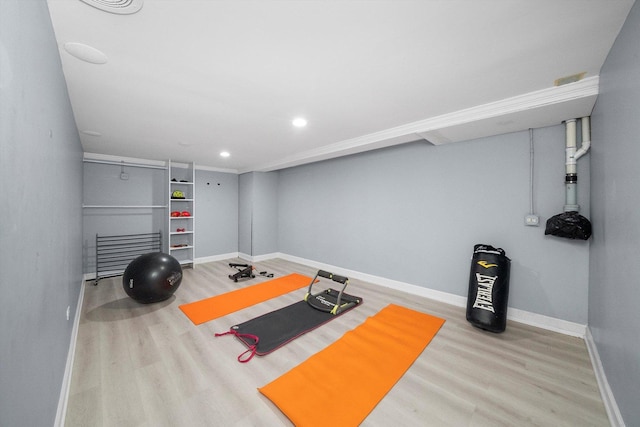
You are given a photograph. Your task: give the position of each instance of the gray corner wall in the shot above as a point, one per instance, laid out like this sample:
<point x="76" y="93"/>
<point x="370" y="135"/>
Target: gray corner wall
<point x="216" y="213"/>
<point x="413" y="213"/>
<point x="41" y="227"/>
<point x="258" y="213"/>
<point x="245" y="213"/>
<point x="614" y="284"/>
<point x="265" y="213"/>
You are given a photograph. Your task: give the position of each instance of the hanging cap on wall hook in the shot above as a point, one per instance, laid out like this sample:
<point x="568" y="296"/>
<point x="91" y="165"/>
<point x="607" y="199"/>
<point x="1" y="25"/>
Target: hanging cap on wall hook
<point x="123" y="175"/>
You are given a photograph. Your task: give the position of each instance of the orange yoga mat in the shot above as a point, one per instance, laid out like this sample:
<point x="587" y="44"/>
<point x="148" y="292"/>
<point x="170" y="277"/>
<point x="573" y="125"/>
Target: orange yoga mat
<point x="349" y="378"/>
<point x="221" y="305"/>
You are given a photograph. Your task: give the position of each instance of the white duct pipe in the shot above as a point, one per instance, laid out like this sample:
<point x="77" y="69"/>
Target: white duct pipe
<point x="586" y="138"/>
<point x="572" y="156"/>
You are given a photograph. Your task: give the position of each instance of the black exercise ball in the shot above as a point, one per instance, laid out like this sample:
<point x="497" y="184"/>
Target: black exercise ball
<point x="152" y="277"/>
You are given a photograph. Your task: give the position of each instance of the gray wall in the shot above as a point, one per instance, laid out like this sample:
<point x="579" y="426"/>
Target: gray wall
<point x="245" y="213"/>
<point x="258" y="213"/>
<point x="216" y="213"/>
<point x="265" y="213"/>
<point x="41" y="238"/>
<point x="103" y="186"/>
<point x="412" y="213"/>
<point x="614" y="291"/>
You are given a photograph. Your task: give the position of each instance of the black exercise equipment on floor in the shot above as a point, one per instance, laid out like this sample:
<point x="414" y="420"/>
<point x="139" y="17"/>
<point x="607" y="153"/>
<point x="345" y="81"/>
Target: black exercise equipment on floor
<point x="265" y="334"/>
<point x="330" y="301"/>
<point x="244" y="270"/>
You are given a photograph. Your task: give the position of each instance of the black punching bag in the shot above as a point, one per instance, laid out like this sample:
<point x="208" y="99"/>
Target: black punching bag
<point x="488" y="288"/>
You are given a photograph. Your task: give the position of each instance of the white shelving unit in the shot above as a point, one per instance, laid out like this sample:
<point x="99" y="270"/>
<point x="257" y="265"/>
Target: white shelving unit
<point x="182" y="213"/>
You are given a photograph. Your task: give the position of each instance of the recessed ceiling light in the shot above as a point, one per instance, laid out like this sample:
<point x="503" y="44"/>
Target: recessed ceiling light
<point x="299" y="122"/>
<point x="85" y="53"/>
<point x="224" y="154"/>
<point x="91" y="132"/>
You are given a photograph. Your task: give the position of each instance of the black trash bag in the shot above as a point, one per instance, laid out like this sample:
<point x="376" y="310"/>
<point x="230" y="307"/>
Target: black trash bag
<point x="570" y="225"/>
<point x="488" y="288"/>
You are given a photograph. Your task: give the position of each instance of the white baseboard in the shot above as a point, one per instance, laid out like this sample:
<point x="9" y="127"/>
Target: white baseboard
<point x="521" y="316"/>
<point x="258" y="258"/>
<point x="214" y="258"/>
<point x="613" y="412"/>
<point x="105" y="274"/>
<point x="245" y="257"/>
<point x="61" y="413"/>
<point x="382" y="281"/>
<point x="546" y="322"/>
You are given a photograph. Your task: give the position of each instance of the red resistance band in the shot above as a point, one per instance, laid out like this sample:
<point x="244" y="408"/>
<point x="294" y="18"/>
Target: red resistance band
<point x="252" y="347"/>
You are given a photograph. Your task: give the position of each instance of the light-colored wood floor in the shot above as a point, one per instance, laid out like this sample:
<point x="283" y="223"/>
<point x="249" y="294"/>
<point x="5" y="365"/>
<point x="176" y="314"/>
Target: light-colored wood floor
<point x="148" y="365"/>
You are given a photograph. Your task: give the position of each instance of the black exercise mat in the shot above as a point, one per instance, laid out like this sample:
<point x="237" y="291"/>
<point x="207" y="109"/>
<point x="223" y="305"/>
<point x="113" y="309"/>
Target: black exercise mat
<point x="266" y="333"/>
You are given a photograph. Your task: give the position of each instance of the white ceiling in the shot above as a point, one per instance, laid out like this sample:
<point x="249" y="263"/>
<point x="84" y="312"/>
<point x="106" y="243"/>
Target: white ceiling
<point x="187" y="79"/>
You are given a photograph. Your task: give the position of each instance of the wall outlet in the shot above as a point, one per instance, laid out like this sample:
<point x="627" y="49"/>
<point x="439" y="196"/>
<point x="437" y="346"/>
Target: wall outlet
<point x="532" y="220"/>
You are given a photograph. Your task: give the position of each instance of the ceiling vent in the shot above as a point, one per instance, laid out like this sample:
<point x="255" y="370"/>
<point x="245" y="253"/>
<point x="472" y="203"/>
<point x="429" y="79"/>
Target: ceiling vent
<point x="121" y="7"/>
